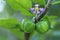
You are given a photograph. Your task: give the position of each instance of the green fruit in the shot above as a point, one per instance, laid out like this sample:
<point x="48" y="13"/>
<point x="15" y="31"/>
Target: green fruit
<point x="28" y="26"/>
<point x="42" y="27"/>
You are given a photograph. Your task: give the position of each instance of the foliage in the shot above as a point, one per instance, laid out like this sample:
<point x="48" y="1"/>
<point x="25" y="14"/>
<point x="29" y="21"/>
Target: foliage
<point x="20" y="5"/>
<point x="9" y="23"/>
<point x="23" y="7"/>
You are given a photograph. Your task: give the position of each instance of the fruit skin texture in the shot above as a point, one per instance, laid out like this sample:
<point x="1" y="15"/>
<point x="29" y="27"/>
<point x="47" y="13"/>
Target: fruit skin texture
<point x="42" y="27"/>
<point x="27" y="26"/>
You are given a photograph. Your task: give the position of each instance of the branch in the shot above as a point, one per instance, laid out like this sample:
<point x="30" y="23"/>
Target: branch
<point x="27" y="35"/>
<point x="48" y="5"/>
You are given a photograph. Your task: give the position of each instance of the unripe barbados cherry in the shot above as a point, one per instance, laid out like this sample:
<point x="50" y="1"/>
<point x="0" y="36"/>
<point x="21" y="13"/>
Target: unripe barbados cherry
<point x="27" y="26"/>
<point x="42" y="26"/>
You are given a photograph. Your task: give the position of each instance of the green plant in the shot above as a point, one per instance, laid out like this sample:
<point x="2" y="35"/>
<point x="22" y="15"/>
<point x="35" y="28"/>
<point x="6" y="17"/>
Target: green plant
<point x="35" y="10"/>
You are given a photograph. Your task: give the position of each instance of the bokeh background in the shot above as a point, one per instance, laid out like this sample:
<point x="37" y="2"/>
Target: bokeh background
<point x="7" y="34"/>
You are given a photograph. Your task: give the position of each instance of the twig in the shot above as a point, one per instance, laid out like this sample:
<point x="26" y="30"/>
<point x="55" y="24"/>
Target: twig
<point x="44" y="12"/>
<point x="27" y="35"/>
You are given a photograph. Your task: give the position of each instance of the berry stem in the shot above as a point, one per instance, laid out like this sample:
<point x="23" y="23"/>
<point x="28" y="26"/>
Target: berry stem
<point x="27" y="35"/>
<point x="48" y="5"/>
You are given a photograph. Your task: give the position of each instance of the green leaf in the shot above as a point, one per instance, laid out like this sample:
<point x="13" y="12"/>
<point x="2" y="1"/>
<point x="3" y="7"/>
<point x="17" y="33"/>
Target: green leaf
<point x="53" y="20"/>
<point x="17" y="6"/>
<point x="41" y="2"/>
<point x="9" y="23"/>
<point x="13" y="25"/>
<point x="52" y="17"/>
<point x="25" y="3"/>
<point x="9" y="10"/>
<point x="55" y="8"/>
<point x="54" y="3"/>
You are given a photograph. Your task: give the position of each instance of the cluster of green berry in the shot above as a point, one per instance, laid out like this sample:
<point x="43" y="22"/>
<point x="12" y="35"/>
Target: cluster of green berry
<point x="29" y="26"/>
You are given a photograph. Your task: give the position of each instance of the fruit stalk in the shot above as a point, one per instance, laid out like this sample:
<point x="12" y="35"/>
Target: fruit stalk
<point x="48" y="5"/>
<point x="27" y="35"/>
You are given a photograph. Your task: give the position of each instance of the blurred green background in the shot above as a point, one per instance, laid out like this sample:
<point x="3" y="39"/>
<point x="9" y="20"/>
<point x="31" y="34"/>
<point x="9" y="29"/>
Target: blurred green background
<point x="9" y="33"/>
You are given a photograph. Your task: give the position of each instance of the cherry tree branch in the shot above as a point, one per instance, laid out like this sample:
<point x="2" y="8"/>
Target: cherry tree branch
<point x="48" y="5"/>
